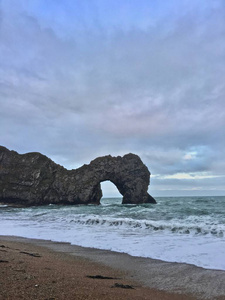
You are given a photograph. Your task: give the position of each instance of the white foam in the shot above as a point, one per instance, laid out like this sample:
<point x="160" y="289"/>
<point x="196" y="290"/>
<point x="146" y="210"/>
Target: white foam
<point x="204" y="251"/>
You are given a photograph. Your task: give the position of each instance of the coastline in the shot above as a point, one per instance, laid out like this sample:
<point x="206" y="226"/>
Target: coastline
<point x="150" y="278"/>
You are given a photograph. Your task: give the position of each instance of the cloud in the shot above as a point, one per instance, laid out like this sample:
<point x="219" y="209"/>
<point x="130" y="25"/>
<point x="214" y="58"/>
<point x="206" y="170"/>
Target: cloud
<point x="199" y="185"/>
<point x="75" y="88"/>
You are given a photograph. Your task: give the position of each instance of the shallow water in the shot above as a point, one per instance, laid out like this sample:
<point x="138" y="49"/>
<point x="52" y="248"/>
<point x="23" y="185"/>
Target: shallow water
<point x="180" y="229"/>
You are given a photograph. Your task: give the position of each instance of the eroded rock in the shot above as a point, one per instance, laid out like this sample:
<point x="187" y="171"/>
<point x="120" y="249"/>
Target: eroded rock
<point x="34" y="179"/>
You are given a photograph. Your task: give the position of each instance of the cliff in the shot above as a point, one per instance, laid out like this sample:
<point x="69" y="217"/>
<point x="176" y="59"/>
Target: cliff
<point x="34" y="179"/>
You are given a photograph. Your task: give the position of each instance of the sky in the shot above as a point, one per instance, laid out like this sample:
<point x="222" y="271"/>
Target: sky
<point x="86" y="78"/>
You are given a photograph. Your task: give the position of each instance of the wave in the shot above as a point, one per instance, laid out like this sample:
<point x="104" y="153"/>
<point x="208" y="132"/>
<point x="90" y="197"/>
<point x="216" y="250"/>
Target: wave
<point x="154" y="226"/>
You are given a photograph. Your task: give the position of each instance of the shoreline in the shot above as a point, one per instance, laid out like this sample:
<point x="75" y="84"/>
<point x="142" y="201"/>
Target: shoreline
<point x="149" y="276"/>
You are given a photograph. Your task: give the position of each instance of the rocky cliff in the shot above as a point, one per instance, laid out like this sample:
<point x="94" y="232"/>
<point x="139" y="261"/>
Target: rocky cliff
<point x="34" y="179"/>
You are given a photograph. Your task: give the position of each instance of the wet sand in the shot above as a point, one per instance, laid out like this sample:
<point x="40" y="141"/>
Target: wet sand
<point x="38" y="269"/>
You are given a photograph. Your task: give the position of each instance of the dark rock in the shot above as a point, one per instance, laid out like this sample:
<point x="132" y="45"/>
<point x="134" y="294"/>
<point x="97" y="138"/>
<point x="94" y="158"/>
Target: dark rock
<point x="34" y="179"/>
<point x="100" y="277"/>
<point x="123" y="286"/>
<point x="31" y="254"/>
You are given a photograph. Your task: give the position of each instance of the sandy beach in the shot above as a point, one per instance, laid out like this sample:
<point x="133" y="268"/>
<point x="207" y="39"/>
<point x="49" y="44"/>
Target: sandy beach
<point x="38" y="269"/>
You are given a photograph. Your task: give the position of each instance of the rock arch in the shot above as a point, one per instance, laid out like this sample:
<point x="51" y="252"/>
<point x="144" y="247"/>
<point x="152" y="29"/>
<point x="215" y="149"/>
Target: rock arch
<point x="127" y="173"/>
<point x="34" y="179"/>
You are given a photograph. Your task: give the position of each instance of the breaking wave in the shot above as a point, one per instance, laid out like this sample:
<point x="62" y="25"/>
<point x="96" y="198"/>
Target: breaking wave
<point x="152" y="226"/>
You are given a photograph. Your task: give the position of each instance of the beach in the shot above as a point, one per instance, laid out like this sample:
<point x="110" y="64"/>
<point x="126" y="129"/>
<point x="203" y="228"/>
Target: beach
<point x="40" y="269"/>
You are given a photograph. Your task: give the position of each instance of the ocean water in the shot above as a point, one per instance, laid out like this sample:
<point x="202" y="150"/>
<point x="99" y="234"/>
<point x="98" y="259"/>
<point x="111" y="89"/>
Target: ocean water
<point x="181" y="229"/>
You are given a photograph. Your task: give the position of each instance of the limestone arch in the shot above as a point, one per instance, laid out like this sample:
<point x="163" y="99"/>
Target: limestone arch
<point x="130" y="176"/>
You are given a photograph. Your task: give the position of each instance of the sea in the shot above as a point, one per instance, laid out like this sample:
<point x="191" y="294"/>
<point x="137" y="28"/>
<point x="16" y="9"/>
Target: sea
<point x="176" y="229"/>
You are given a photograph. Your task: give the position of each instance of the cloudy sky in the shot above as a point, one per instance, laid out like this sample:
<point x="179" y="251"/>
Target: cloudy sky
<point x="87" y="78"/>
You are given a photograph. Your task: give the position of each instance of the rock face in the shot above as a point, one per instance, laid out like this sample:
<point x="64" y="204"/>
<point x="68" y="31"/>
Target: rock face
<point x="34" y="179"/>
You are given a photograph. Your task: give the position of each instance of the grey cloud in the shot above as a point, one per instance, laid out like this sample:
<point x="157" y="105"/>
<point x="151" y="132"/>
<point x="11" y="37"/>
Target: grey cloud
<point x="210" y="186"/>
<point x="157" y="91"/>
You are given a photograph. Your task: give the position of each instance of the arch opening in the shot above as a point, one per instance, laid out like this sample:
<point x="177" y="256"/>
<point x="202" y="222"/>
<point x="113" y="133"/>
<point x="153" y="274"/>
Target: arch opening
<point x="109" y="190"/>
